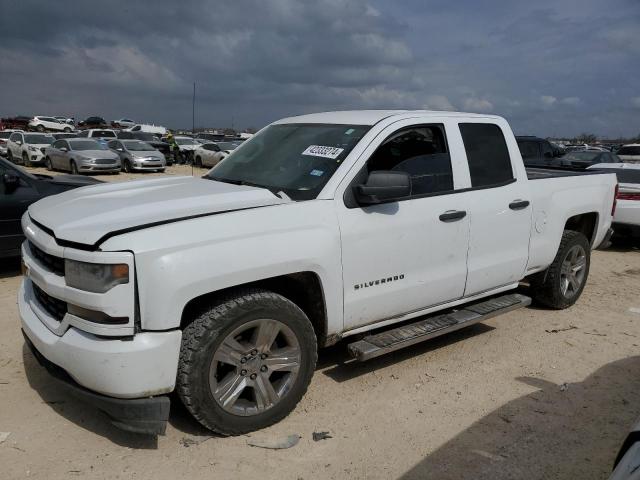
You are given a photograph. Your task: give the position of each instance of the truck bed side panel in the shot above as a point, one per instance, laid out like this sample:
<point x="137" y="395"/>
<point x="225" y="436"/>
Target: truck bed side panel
<point x="558" y="198"/>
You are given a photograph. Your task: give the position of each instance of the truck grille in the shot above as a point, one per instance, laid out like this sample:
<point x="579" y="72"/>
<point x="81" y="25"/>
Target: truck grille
<point x="56" y="308"/>
<point x="104" y="161"/>
<point x="51" y="262"/>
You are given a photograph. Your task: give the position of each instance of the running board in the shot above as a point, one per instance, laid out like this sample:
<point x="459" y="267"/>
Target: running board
<point x="387" y="341"/>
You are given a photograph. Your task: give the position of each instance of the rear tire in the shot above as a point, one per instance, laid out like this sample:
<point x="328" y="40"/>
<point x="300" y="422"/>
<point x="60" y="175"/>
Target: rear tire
<point x="560" y="285"/>
<point x="223" y="378"/>
<point x="67" y="130"/>
<point x="40" y="128"/>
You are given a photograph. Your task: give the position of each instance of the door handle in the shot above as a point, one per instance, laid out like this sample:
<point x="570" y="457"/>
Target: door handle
<point x="452" y="215"/>
<point x="519" y="204"/>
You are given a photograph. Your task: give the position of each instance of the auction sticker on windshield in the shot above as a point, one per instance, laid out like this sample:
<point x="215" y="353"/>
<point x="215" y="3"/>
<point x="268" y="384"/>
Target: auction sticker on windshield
<point x="320" y="151"/>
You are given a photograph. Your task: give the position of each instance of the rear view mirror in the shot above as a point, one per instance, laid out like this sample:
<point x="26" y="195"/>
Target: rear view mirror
<point x="11" y="181"/>
<point x="383" y="186"/>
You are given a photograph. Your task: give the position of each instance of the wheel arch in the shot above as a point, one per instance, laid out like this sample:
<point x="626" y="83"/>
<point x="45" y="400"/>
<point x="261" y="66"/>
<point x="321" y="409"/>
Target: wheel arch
<point x="585" y="223"/>
<point x="302" y="288"/>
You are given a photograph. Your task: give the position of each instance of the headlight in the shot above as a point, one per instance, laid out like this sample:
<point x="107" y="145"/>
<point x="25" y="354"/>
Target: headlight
<point x="32" y="149"/>
<point x="95" y="277"/>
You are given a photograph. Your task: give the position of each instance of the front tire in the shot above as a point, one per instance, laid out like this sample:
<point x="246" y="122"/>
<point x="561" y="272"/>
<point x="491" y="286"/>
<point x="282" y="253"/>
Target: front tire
<point x="562" y="283"/>
<point x="40" y="128"/>
<point x="74" y="168"/>
<point x="67" y="130"/>
<point x="246" y="362"/>
<point x="126" y="166"/>
<point x="25" y="160"/>
<point x="49" y="165"/>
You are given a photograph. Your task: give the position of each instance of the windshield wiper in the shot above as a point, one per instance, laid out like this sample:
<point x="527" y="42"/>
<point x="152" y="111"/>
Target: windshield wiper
<point x="244" y="183"/>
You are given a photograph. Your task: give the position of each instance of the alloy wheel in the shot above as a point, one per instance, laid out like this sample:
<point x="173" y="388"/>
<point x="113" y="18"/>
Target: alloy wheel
<point x="572" y="272"/>
<point x="254" y="367"/>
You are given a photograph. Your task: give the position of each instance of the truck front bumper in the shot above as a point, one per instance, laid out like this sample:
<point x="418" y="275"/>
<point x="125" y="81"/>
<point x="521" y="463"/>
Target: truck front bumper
<point x="110" y="372"/>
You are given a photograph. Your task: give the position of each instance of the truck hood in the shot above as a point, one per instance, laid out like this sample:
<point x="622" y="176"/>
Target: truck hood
<point x="92" y="213"/>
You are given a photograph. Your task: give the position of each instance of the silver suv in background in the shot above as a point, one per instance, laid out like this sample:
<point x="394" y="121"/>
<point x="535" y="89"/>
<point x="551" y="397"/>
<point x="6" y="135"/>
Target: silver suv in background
<point x="138" y="155"/>
<point x="81" y="155"/>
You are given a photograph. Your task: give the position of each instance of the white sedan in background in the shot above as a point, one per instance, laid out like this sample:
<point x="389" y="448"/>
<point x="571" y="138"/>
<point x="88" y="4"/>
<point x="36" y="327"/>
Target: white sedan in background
<point x="627" y="216"/>
<point x="210" y="154"/>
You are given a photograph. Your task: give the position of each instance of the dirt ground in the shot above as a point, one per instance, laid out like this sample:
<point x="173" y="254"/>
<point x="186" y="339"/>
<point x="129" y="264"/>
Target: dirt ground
<point x="534" y="394"/>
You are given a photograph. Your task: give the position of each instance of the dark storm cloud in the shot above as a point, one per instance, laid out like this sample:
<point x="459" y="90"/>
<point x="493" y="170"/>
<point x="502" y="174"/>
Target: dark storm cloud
<point x="558" y="67"/>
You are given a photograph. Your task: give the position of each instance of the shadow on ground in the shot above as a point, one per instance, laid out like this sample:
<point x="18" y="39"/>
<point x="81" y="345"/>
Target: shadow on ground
<point x="10" y="267"/>
<point x="58" y="398"/>
<point x="557" y="432"/>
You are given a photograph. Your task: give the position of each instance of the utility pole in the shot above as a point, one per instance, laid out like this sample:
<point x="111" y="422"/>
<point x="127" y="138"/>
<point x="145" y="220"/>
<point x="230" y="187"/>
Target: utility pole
<point x="193" y="122"/>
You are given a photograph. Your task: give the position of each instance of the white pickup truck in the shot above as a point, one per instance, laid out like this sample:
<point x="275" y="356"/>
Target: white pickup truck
<point x="388" y="227"/>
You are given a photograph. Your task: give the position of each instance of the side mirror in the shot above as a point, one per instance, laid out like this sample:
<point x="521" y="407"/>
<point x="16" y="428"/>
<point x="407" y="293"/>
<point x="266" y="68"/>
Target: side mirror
<point x="11" y="181"/>
<point x="383" y="186"/>
<point x="64" y="149"/>
<point x="19" y="142"/>
<point x="120" y="149"/>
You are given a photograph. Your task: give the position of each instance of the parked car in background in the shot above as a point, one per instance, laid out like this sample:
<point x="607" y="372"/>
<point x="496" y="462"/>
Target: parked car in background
<point x="586" y="158"/>
<point x="43" y="124"/>
<point x="151" y="139"/>
<point x="538" y="152"/>
<point x="67" y="120"/>
<point x="626" y="220"/>
<point x="210" y="154"/>
<point x="97" y="133"/>
<point x="187" y="146"/>
<point x="18" y="190"/>
<point x="27" y="148"/>
<point x="19" y="122"/>
<point x="156" y="129"/>
<point x="81" y="155"/>
<point x="4" y="138"/>
<point x="136" y="155"/>
<point x="123" y="123"/>
<point x="93" y="122"/>
<point x="629" y="153"/>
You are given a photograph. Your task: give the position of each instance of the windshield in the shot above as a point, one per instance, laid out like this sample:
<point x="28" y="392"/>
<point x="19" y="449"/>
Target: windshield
<point x="298" y="159"/>
<point x="138" y="146"/>
<point x="5" y="134"/>
<point x="186" y="141"/>
<point x="87" y="145"/>
<point x="584" y="156"/>
<point x="37" y="139"/>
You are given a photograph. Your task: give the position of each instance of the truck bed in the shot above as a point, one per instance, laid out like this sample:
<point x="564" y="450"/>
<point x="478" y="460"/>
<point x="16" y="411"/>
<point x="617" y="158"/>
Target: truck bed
<point x="537" y="173"/>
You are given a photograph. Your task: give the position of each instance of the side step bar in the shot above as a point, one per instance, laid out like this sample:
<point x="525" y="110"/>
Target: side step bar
<point x="378" y="344"/>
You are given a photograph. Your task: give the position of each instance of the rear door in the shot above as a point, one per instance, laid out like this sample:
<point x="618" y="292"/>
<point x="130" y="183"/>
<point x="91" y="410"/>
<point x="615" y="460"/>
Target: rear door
<point x="499" y="209"/>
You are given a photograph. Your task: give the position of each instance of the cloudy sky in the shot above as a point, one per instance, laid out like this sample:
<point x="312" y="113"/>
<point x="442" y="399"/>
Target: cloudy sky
<point x="552" y="67"/>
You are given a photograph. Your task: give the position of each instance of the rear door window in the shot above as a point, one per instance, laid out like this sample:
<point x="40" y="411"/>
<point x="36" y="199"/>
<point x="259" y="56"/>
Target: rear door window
<point x="487" y="154"/>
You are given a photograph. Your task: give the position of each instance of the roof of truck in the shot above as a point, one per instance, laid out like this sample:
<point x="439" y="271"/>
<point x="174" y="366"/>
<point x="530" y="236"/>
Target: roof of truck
<point x="371" y="117"/>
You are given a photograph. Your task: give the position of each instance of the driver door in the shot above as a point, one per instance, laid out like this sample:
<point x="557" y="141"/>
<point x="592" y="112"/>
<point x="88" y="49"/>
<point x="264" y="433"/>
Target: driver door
<point x="404" y="256"/>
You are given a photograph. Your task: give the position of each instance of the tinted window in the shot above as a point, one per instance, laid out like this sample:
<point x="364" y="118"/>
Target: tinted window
<point x="528" y="149"/>
<point x="212" y="147"/>
<point x="5" y="134"/>
<point x="547" y="150"/>
<point x="14" y="137"/>
<point x="631" y="175"/>
<point x="59" y="144"/>
<point x="629" y="151"/>
<point x="487" y="154"/>
<point x="38" y="139"/>
<point x="103" y="133"/>
<point x="422" y="153"/>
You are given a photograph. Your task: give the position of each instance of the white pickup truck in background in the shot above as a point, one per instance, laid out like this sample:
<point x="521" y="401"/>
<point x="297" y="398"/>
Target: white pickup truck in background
<point x="318" y="228"/>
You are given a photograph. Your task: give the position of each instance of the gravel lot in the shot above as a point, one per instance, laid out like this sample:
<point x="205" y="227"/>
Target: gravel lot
<point x="532" y="394"/>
